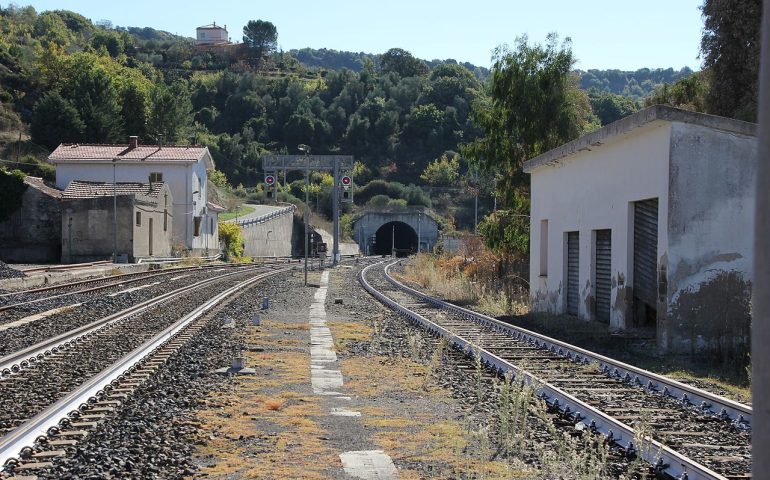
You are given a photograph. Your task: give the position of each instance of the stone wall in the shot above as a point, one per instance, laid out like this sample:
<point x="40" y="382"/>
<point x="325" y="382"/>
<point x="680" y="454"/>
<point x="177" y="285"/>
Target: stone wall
<point x="33" y="233"/>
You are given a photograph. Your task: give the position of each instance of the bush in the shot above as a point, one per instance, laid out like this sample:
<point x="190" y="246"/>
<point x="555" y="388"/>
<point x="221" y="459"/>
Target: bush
<point x="379" y="201"/>
<point x="231" y="237"/>
<point x="12" y="187"/>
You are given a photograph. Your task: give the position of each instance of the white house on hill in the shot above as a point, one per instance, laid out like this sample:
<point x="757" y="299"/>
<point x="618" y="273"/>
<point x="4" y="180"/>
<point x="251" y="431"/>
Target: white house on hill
<point x="211" y="34"/>
<point x="184" y="168"/>
<point x="648" y="223"/>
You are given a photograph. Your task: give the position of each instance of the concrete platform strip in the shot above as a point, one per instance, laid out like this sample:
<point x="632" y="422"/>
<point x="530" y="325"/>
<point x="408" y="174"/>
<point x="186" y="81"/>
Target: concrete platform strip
<point x="322" y="353"/>
<point x="37" y="316"/>
<point x="134" y="289"/>
<point x="368" y="464"/>
<point x="364" y="464"/>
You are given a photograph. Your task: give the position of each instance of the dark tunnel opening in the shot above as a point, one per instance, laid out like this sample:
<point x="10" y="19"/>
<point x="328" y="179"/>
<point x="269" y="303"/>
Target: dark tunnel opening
<point x="398" y="235"/>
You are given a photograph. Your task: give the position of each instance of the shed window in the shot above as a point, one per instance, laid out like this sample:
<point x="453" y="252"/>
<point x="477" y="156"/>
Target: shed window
<point x="138" y="219"/>
<point x="211" y="225"/>
<point x="165" y="220"/>
<point x="156" y="177"/>
<point x="543" y="248"/>
<point x="196" y="226"/>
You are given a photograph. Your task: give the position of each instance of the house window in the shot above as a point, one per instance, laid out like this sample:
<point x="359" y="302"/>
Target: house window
<point x="543" y="248"/>
<point x="138" y="219"/>
<point x="156" y="177"/>
<point x="196" y="226"/>
<point x="165" y="220"/>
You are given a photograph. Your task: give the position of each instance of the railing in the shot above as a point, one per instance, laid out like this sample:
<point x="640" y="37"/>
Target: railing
<point x="268" y="216"/>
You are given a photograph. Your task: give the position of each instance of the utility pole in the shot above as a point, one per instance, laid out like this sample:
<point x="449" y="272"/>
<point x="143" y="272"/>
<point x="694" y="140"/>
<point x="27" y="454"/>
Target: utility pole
<point x="476" y="203"/>
<point x="760" y="326"/>
<point x="393" y="243"/>
<point x="114" y="212"/>
<point x="419" y="232"/>
<point x="336" y="213"/>
<point x="306" y="150"/>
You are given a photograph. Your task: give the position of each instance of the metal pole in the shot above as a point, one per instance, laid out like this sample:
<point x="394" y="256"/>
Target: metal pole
<point x="419" y="232"/>
<point x="760" y="335"/>
<point x="393" y="243"/>
<point x="307" y="208"/>
<point x="476" y="204"/>
<point x="336" y="214"/>
<point x="114" y="214"/>
<point x="494" y="209"/>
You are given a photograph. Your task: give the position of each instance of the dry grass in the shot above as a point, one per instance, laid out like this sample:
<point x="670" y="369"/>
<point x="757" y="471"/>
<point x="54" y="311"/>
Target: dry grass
<point x="274" y="405"/>
<point x="262" y="424"/>
<point x="465" y="281"/>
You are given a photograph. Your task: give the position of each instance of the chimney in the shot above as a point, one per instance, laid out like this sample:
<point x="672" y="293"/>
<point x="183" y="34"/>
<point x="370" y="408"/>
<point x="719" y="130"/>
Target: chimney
<point x="133" y="141"/>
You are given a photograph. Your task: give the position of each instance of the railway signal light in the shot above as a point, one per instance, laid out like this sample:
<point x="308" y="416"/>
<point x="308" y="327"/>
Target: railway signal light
<point x="269" y="186"/>
<point x="346" y="182"/>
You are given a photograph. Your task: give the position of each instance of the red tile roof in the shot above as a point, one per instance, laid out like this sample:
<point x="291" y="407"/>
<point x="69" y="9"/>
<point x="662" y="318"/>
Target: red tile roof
<point x="38" y="184"/>
<point x="168" y="153"/>
<point x="214" y="207"/>
<point x="81" y="189"/>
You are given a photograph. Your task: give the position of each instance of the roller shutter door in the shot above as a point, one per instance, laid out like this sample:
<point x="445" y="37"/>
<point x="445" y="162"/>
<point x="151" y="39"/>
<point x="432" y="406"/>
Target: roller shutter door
<point x="603" y="269"/>
<point x="573" y="272"/>
<point x="646" y="251"/>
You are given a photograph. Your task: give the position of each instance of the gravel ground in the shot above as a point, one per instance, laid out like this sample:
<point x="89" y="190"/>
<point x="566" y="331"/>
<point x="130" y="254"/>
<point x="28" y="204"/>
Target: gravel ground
<point x="435" y="419"/>
<point x="93" y="306"/>
<point x="153" y="434"/>
<point x="8" y="272"/>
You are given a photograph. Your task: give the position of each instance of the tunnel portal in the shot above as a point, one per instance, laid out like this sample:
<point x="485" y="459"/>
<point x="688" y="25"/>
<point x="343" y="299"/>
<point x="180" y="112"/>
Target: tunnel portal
<point x="398" y="235"/>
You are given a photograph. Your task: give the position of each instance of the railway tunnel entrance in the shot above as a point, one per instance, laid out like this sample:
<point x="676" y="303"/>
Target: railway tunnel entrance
<point x="398" y="235"/>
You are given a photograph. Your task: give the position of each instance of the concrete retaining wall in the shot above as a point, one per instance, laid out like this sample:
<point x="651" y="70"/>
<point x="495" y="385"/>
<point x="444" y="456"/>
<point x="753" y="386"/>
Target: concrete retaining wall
<point x="270" y="238"/>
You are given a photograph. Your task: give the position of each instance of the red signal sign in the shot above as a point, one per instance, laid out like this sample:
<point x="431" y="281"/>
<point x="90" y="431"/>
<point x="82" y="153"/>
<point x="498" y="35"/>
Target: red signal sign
<point x="346" y="181"/>
<point x="269" y="180"/>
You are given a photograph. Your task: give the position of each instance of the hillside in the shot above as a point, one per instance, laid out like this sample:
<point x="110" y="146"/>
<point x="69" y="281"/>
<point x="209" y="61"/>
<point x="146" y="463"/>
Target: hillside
<point x="65" y="79"/>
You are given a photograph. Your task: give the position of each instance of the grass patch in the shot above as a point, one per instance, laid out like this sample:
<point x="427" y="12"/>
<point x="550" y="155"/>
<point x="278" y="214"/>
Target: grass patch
<point x="472" y="282"/>
<point x="230" y="214"/>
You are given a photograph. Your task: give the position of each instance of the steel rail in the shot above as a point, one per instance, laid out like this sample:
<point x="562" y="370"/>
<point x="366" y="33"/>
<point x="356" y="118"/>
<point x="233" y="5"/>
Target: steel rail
<point x="661" y="457"/>
<point x="27" y="356"/>
<point x="147" y="274"/>
<point x="27" y="434"/>
<point x="706" y="401"/>
<point x="96" y="288"/>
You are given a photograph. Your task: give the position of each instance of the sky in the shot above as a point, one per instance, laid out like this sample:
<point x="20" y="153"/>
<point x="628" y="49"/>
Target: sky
<point x="605" y="34"/>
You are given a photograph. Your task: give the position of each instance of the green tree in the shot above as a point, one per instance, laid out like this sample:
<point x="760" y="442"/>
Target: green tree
<point x="170" y="112"/>
<point x="403" y="63"/>
<point x="261" y="37"/>
<point x="610" y="107"/>
<point x="55" y="121"/>
<point x="96" y="100"/>
<point x="687" y="93"/>
<point x="507" y="231"/>
<point x="534" y="106"/>
<point x="443" y="171"/>
<point x="730" y="51"/>
<point x="134" y="109"/>
<point x="12" y="187"/>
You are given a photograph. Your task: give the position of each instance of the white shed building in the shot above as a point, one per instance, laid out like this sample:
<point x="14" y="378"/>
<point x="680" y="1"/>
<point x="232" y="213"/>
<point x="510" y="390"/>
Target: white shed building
<point x="648" y="223"/>
<point x="183" y="167"/>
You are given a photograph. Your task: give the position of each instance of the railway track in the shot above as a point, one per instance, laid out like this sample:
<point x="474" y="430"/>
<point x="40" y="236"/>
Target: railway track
<point x="51" y="403"/>
<point x="695" y="435"/>
<point x="16" y="299"/>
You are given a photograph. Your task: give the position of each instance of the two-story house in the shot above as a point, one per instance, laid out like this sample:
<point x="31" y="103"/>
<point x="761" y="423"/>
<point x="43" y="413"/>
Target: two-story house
<point x="183" y="167"/>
